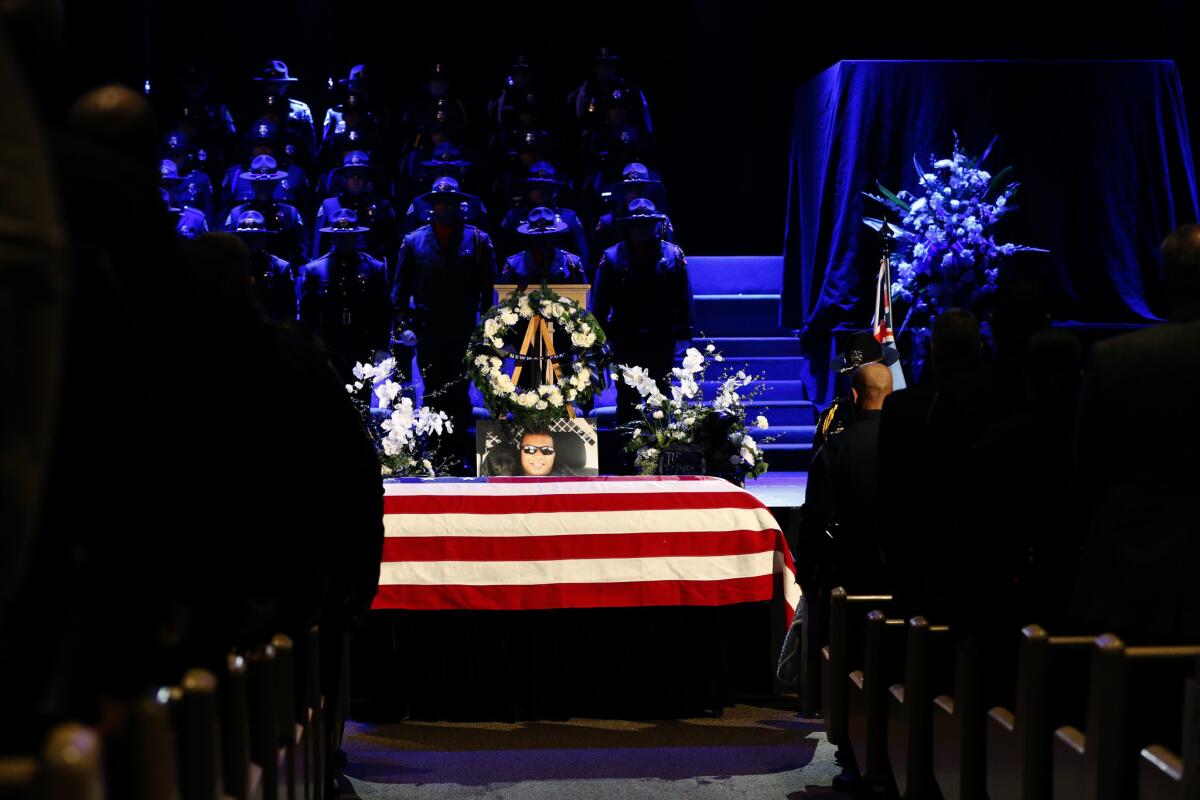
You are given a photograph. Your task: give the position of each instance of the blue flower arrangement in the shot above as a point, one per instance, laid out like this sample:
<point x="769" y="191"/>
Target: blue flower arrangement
<point x="945" y="253"/>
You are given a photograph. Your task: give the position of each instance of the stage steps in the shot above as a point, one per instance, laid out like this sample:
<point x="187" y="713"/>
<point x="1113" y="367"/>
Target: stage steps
<point x="737" y="309"/>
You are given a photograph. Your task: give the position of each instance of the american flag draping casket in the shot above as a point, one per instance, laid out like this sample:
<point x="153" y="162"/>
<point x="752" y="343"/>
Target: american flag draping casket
<point x="545" y="543"/>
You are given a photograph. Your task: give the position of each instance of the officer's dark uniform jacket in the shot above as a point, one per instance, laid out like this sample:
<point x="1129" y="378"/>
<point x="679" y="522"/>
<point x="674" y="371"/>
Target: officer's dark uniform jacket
<point x="370" y="136"/>
<point x="602" y="190"/>
<point x="274" y="285"/>
<point x="834" y="419"/>
<point x="210" y="125"/>
<point x="589" y="98"/>
<point x="345" y="299"/>
<point x="190" y="223"/>
<point x="194" y="190"/>
<point x="643" y="300"/>
<point x="332" y="182"/>
<point x="335" y="122"/>
<point x="842" y="506"/>
<point x="293" y="189"/>
<point x="447" y="287"/>
<point x="282" y="218"/>
<point x="199" y="149"/>
<point x="374" y="212"/>
<point x="606" y="233"/>
<point x="297" y="124"/>
<point x="574" y="232"/>
<point x="300" y="114"/>
<point x="429" y="109"/>
<point x="523" y="269"/>
<point x="420" y="212"/>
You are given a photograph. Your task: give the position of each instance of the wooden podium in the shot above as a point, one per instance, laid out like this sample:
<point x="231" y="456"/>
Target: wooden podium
<point x="538" y="338"/>
<point x="571" y="291"/>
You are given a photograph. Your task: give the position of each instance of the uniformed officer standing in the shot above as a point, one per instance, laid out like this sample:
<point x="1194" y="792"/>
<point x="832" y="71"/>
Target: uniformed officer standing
<point x="520" y="106"/>
<point x="446" y="159"/>
<point x="643" y="299"/>
<point x="263" y="140"/>
<point x="193" y="187"/>
<point x="444" y="276"/>
<point x="542" y="260"/>
<point x="420" y="212"/>
<point x="354" y="112"/>
<point x="341" y="145"/>
<point x="517" y="105"/>
<point x="622" y="148"/>
<point x="358" y="193"/>
<point x="636" y="181"/>
<point x="188" y="222"/>
<point x="344" y="297"/>
<point x="591" y="102"/>
<point x="206" y="121"/>
<point x="410" y="172"/>
<point x="523" y="149"/>
<point x="296" y="115"/>
<point x="436" y="106"/>
<point x="355" y="129"/>
<point x="274" y="279"/>
<point x="283" y="218"/>
<point x="862" y="348"/>
<point x="193" y="192"/>
<point x="540" y="189"/>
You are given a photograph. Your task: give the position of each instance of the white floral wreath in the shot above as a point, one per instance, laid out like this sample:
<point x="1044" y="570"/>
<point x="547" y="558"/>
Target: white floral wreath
<point x="583" y="368"/>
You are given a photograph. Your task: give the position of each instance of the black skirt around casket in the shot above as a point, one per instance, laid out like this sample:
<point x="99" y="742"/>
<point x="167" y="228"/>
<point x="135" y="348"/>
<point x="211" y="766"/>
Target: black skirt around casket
<point x="625" y="663"/>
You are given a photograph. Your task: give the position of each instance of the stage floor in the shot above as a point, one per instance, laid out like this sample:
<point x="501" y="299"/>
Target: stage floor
<point x="779" y="489"/>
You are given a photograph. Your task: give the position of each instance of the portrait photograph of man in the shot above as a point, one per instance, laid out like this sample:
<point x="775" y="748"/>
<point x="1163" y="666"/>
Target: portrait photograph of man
<point x="559" y="447"/>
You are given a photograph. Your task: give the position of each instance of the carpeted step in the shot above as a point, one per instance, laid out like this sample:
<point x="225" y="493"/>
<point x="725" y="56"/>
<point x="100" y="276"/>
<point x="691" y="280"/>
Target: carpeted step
<point x="787" y="457"/>
<point x="770" y="367"/>
<point x="786" y="434"/>
<point x="789" y="414"/>
<point x="737" y="314"/>
<point x="733" y="346"/>
<point x="772" y="390"/>
<point x="733" y="274"/>
<point x="783" y="412"/>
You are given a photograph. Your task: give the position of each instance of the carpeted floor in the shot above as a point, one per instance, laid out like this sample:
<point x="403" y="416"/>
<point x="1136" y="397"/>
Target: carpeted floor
<point x="760" y="752"/>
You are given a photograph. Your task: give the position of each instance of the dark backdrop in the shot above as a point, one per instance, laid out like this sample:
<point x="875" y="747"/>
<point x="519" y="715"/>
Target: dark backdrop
<point x="720" y="74"/>
<point x="1099" y="148"/>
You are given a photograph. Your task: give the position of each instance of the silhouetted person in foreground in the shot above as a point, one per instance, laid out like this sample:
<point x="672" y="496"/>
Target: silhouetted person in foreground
<point x="1138" y="574"/>
<point x="922" y="452"/>
<point x="1018" y="548"/>
<point x="33" y="314"/>
<point x="93" y="611"/>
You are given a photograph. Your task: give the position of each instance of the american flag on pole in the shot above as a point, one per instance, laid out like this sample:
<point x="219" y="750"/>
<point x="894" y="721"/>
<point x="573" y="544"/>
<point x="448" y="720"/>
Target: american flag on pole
<point x="882" y="324"/>
<point x="540" y="543"/>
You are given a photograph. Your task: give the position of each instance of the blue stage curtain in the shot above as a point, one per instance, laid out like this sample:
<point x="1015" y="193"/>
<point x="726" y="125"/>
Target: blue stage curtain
<point x="1101" y="150"/>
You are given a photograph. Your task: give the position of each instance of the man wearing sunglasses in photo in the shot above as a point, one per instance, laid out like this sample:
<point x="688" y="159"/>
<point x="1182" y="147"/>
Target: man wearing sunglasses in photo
<point x="537" y="452"/>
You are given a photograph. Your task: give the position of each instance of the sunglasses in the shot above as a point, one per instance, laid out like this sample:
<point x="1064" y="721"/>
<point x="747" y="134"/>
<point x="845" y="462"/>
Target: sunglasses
<point x="547" y="450"/>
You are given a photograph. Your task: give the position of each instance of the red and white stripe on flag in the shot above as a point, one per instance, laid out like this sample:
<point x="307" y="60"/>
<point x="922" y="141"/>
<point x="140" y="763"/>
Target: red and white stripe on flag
<point x="882" y="324"/>
<point x="883" y="306"/>
<point x="542" y="543"/>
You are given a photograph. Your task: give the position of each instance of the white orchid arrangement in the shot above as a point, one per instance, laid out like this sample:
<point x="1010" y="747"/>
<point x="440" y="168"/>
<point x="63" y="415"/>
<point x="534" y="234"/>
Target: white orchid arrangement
<point x="945" y="253"/>
<point x="581" y="354"/>
<point x="403" y="434"/>
<point x="718" y="428"/>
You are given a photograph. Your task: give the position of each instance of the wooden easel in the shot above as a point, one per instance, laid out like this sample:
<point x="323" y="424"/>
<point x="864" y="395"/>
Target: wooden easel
<point x="537" y="334"/>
